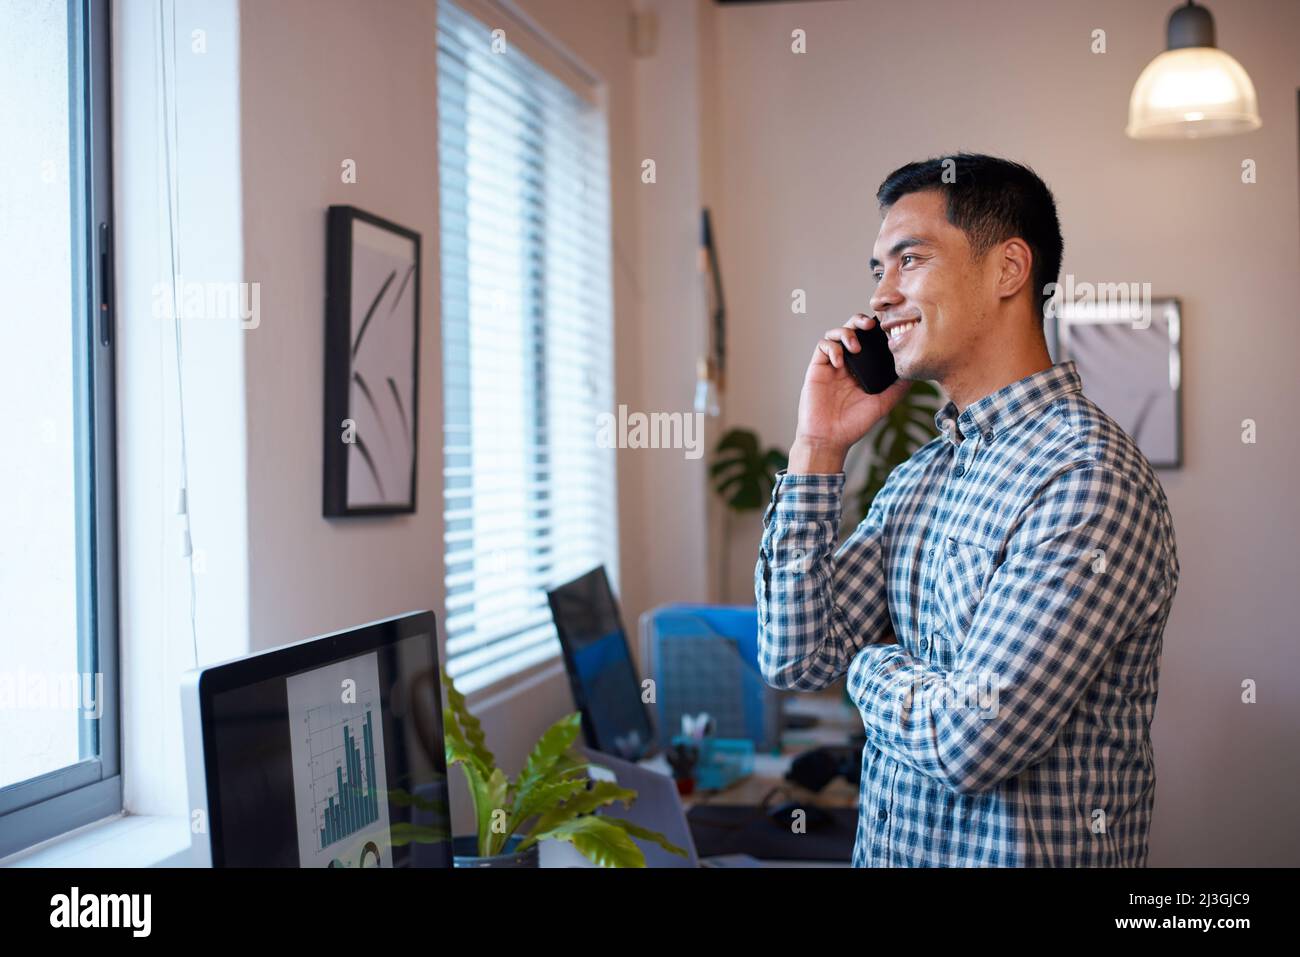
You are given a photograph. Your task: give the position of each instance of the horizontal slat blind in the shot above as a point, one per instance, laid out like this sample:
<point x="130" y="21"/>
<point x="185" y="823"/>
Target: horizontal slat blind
<point x="527" y="346"/>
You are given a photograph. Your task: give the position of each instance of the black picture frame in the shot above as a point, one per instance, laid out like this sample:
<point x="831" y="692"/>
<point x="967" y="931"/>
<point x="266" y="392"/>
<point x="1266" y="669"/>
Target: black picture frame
<point x="356" y="464"/>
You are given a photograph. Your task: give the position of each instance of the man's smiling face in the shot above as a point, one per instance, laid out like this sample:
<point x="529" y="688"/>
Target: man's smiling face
<point x="930" y="297"/>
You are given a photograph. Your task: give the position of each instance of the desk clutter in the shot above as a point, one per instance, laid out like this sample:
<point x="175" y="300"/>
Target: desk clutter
<point x="699" y="759"/>
<point x="704" y="658"/>
<point x="698" y="708"/>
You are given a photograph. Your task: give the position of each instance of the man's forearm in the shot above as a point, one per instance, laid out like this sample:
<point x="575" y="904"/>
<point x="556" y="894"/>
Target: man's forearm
<point x="816" y="607"/>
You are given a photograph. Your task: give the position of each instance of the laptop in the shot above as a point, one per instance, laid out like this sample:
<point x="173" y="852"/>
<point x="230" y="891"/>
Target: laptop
<point x="602" y="675"/>
<point x="318" y="753"/>
<point x="657" y="807"/>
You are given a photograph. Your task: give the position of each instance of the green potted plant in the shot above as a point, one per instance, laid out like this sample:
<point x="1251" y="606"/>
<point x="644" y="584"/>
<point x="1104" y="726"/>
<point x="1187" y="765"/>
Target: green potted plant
<point x="552" y="798"/>
<point x="743" y="474"/>
<point x="907" y="427"/>
<point x="743" y="471"/>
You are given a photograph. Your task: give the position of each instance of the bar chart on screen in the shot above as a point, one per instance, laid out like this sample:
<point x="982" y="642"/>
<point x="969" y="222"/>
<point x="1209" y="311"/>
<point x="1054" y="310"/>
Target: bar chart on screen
<point x="339" y="774"/>
<point x="352" y="800"/>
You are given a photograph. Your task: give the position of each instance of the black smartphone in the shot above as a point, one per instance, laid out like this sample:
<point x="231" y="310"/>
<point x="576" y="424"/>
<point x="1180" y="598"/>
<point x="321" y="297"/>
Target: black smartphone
<point x="873" y="365"/>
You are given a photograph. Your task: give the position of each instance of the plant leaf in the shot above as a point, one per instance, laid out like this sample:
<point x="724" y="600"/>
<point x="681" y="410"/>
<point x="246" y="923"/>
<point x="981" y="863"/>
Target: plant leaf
<point x="743" y="473"/>
<point x="478" y="792"/>
<point x="494" y="799"/>
<point x="458" y="750"/>
<point x="546" y="754"/>
<point x="743" y="441"/>
<point x="599" y="840"/>
<point x="543" y="797"/>
<point x="468" y="724"/>
<point x="408" y="799"/>
<point x="404" y="832"/>
<point x="636" y="830"/>
<point x="599" y="794"/>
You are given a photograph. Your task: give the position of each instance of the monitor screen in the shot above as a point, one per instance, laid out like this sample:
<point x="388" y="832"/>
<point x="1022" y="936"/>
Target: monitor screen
<point x="327" y="753"/>
<point x="601" y="672"/>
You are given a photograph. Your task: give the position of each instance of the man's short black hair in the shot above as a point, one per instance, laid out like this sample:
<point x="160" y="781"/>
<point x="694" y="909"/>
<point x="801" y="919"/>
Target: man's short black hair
<point x="990" y="200"/>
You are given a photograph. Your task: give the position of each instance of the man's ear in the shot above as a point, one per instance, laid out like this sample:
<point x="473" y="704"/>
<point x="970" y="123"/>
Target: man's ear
<point x="1015" y="268"/>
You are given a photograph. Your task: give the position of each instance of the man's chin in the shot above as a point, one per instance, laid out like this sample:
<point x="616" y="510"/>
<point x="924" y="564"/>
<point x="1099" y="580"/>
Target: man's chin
<point x="910" y="368"/>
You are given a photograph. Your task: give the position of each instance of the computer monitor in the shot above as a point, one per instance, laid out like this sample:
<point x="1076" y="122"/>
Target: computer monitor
<point x="604" y="681"/>
<point x="323" y="753"/>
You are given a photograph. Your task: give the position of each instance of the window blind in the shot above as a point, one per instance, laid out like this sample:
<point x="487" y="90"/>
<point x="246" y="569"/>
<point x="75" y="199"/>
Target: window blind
<point x="529" y="496"/>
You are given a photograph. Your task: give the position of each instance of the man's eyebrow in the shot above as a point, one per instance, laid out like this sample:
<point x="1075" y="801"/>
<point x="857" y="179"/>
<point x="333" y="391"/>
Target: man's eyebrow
<point x="899" y="246"/>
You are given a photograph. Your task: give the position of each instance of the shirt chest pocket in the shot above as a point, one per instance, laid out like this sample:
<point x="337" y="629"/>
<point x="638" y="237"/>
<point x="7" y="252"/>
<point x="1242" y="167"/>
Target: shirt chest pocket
<point x="960" y="578"/>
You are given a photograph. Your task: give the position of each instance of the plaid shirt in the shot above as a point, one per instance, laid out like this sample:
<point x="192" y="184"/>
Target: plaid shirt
<point x="1025" y="561"/>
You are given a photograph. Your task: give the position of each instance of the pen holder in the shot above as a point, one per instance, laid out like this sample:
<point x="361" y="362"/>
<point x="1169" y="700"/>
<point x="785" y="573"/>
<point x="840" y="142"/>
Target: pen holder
<point x="722" y="760"/>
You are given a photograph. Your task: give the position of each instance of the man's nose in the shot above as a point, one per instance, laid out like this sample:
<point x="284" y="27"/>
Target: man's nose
<point x="886" y="294"/>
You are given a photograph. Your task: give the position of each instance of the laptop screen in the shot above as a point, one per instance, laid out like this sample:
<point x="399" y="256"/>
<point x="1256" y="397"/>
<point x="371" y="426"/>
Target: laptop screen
<point x="601" y="673"/>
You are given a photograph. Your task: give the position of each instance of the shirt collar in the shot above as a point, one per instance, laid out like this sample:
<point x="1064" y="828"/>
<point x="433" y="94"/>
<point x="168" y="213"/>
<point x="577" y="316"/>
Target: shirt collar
<point x="1007" y="406"/>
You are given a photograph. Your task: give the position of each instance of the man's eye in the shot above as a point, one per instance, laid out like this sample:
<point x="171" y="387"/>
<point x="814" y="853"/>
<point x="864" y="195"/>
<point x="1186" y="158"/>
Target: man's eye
<point x="906" y="258"/>
<point x="878" y="276"/>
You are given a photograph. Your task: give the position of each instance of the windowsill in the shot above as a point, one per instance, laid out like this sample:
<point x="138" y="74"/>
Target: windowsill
<point x="126" y="840"/>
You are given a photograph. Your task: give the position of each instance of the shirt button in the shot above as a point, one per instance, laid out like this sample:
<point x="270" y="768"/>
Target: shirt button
<point x="925" y="644"/>
<point x="932" y="551"/>
<point x="959" y="471"/>
<point x="882" y="814"/>
<point x="988" y="436"/>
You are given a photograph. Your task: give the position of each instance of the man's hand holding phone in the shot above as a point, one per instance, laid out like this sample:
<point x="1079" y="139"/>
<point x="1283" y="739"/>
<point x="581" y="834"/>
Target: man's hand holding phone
<point x="834" y="410"/>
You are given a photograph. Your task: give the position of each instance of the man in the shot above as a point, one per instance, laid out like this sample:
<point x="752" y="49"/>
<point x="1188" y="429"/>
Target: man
<point x="1000" y="610"/>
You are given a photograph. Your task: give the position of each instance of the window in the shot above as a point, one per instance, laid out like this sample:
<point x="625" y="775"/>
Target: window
<point x="58" y="675"/>
<point x="527" y="337"/>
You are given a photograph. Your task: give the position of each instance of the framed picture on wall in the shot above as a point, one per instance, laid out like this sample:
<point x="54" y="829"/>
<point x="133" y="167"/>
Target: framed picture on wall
<point x="1129" y="357"/>
<point x="372" y="372"/>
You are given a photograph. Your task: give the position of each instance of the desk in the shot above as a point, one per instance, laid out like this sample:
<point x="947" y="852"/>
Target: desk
<point x="838" y="721"/>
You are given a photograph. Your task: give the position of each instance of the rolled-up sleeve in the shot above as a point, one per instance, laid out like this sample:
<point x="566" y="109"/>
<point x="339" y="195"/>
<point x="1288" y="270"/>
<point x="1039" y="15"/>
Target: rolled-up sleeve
<point x="1086" y="568"/>
<point x="817" y="607"/>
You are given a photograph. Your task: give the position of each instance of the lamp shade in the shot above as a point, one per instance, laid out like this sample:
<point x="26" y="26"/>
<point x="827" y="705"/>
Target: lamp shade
<point x="1192" y="92"/>
<point x="1193" y="89"/>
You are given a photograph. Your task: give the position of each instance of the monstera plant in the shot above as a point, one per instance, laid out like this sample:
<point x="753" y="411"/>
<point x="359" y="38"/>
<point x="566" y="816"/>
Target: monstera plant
<point x="551" y="798"/>
<point x="907" y="427"/>
<point x="743" y="471"/>
<point x="743" y="474"/>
